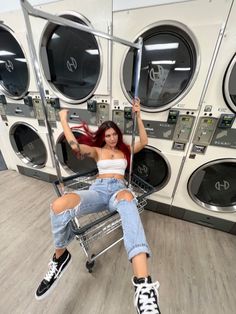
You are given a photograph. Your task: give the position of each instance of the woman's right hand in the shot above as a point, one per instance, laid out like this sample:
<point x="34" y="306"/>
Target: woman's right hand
<point x="136" y="106"/>
<point x="63" y="114"/>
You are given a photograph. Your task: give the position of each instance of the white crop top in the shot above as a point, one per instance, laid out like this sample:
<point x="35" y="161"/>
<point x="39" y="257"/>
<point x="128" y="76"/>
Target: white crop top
<point x="116" y="166"/>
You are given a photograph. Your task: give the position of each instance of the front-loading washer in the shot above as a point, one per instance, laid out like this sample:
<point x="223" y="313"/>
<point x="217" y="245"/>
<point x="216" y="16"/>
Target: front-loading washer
<point x="5" y="147"/>
<point x="29" y="146"/>
<point x="75" y="67"/>
<point x="176" y="57"/>
<point x="94" y="56"/>
<point x="176" y="52"/>
<point x="206" y="189"/>
<point x="69" y="163"/>
<point x="17" y="74"/>
<point x="25" y="138"/>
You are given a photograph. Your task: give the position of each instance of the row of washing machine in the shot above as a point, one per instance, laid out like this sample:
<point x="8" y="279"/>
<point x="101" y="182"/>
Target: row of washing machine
<point x="187" y="94"/>
<point x="75" y="67"/>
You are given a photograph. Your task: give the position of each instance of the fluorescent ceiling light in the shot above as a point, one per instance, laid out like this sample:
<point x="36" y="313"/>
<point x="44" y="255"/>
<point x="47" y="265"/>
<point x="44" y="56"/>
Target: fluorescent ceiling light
<point x="92" y="51"/>
<point x="1" y="61"/>
<point x="20" y="59"/>
<point x="55" y="36"/>
<point x="162" y="46"/>
<point x="6" y="53"/>
<point x="164" y="62"/>
<point x="182" y="69"/>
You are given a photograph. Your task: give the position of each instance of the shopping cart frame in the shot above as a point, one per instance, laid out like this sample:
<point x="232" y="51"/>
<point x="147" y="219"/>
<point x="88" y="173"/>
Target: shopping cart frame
<point x="99" y="224"/>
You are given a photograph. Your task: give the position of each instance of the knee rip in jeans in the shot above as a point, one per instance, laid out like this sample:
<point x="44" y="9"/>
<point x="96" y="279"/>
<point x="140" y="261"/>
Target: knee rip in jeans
<point x="124" y="195"/>
<point x="55" y="212"/>
<point x="59" y="206"/>
<point x="58" y="212"/>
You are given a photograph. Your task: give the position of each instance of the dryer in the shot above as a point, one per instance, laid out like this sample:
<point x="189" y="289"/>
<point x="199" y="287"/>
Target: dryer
<point x="68" y="161"/>
<point x="17" y="75"/>
<point x="206" y="190"/>
<point x="25" y="140"/>
<point x="176" y="56"/>
<point x="5" y="147"/>
<point x="30" y="145"/>
<point x="75" y="66"/>
<point x="176" y="52"/>
<point x="51" y="42"/>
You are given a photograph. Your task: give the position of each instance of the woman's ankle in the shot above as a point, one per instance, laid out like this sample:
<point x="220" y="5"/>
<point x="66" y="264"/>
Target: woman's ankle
<point x="59" y="252"/>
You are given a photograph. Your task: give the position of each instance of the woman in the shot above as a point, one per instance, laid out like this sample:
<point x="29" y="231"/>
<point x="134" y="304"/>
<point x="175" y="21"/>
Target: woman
<point x="112" y="155"/>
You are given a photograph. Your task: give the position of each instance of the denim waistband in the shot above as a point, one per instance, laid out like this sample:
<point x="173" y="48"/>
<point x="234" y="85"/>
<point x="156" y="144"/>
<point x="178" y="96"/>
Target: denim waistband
<point x="110" y="180"/>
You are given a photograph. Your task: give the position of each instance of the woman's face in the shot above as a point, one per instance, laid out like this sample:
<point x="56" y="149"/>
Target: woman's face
<point x="111" y="138"/>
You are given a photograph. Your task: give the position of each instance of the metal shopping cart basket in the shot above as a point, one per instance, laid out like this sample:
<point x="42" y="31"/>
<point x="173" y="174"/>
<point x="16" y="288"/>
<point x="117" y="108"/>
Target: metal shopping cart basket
<point x="99" y="228"/>
<point x="92" y="227"/>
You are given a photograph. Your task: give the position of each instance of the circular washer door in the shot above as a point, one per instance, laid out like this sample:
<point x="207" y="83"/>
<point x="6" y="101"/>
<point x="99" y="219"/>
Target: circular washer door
<point x="71" y="60"/>
<point x="14" y="74"/>
<point x="229" y="86"/>
<point x="213" y="185"/>
<point x="69" y="161"/>
<point x="168" y="67"/>
<point x="151" y="166"/>
<point x="27" y="145"/>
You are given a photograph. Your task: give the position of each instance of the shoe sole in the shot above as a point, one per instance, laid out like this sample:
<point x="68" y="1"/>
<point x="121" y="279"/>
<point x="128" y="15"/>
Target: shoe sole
<point x="53" y="285"/>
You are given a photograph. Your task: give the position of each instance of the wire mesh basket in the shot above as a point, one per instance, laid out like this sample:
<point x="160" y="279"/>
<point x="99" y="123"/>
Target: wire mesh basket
<point x="99" y="227"/>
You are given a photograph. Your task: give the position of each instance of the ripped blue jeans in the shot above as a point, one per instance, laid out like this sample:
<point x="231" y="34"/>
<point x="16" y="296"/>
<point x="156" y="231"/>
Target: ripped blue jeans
<point x="101" y="196"/>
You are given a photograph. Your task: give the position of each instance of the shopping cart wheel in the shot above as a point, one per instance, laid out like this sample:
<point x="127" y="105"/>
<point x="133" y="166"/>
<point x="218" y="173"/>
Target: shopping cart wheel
<point x="89" y="265"/>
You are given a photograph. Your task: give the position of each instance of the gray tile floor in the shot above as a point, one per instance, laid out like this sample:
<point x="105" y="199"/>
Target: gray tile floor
<point x="195" y="265"/>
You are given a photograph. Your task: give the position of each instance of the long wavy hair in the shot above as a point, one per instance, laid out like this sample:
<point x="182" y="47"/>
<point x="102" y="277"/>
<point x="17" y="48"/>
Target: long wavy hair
<point x="97" y="138"/>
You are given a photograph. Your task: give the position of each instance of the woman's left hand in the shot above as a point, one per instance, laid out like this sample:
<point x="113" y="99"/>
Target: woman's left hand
<point x="136" y="106"/>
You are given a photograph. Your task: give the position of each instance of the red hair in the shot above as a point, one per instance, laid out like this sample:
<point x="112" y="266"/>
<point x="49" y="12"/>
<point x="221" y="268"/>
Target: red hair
<point x="97" y="138"/>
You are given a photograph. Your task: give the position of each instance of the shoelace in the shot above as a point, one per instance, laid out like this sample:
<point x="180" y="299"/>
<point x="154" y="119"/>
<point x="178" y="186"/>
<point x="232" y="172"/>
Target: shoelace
<point x="145" y="295"/>
<point x="52" y="270"/>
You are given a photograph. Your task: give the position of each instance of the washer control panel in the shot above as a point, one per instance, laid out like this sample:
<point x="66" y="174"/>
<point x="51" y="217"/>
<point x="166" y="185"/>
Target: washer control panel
<point x="205" y="131"/>
<point x="173" y="116"/>
<point x="102" y="112"/>
<point x="226" y="121"/>
<point x="119" y="118"/>
<point x="2" y="110"/>
<point x="38" y="109"/>
<point x="183" y="128"/>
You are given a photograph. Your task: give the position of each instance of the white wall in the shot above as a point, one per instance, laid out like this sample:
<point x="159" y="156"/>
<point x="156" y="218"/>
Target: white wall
<point x="119" y="5"/>
<point x="10" y="5"/>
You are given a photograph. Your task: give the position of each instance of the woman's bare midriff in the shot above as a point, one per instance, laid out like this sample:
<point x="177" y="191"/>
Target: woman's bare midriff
<point x="110" y="175"/>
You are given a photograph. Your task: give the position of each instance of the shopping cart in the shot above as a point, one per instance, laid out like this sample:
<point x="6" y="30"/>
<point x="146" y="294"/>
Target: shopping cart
<point x="94" y="226"/>
<point x="98" y="228"/>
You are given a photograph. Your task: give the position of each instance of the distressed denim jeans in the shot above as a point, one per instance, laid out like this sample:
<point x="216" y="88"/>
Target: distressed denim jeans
<point x="102" y="196"/>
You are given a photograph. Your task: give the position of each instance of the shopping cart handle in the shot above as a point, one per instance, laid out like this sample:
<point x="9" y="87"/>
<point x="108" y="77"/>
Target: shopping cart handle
<point x="77" y="175"/>
<point x="56" y="183"/>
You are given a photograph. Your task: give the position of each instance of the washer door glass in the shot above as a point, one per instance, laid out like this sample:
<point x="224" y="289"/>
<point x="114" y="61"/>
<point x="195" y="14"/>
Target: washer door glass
<point x="68" y="159"/>
<point x="213" y="186"/>
<point x="28" y="146"/>
<point x="71" y="61"/>
<point x="230" y="86"/>
<point x="168" y="65"/>
<point x="14" y="76"/>
<point x="150" y="166"/>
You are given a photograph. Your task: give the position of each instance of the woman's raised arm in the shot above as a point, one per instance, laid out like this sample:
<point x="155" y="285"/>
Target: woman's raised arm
<point x="81" y="150"/>
<point x="143" y="138"/>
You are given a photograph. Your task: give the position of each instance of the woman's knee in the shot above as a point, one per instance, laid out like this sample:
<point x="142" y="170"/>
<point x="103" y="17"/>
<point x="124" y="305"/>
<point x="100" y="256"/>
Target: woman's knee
<point x="124" y="195"/>
<point x="65" y="202"/>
